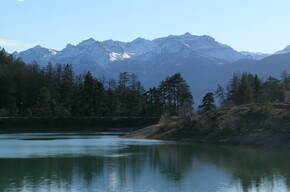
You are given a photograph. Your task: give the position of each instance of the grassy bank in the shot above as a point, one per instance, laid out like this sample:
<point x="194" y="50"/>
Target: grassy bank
<point x="63" y="124"/>
<point x="265" y="125"/>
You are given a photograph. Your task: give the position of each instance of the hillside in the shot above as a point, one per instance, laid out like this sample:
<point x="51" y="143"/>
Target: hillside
<point x="254" y="125"/>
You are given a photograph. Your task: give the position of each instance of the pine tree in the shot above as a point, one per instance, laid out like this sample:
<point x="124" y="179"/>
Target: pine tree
<point x="207" y="103"/>
<point x="88" y="94"/>
<point x="233" y="87"/>
<point x="42" y="106"/>
<point x="66" y="89"/>
<point x="174" y="93"/>
<point x="258" y="90"/>
<point x="123" y="94"/>
<point x="274" y="90"/>
<point x="245" y="90"/>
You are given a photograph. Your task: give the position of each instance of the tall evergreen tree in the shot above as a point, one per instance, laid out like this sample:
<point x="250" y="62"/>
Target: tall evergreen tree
<point x="207" y="103"/>
<point x="123" y="94"/>
<point x="274" y="90"/>
<point x="174" y="93"/>
<point x="258" y="90"/>
<point x="245" y="90"/>
<point x="233" y="87"/>
<point x="66" y="88"/>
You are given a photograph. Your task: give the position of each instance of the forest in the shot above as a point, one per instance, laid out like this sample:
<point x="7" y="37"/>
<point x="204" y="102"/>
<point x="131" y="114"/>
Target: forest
<point x="245" y="89"/>
<point x="29" y="90"/>
<point x="54" y="90"/>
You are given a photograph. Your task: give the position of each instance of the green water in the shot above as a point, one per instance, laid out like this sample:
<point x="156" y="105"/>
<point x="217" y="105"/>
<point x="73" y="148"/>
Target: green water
<point x="104" y="162"/>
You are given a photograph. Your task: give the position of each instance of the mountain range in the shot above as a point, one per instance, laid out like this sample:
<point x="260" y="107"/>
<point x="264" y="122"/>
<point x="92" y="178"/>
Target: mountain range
<point x="201" y="60"/>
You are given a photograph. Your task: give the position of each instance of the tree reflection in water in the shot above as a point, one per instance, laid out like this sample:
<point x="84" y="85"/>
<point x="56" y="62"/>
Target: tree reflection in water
<point x="171" y="165"/>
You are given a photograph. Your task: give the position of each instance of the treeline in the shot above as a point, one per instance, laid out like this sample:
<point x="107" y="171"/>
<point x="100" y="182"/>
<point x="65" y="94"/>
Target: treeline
<point x="54" y="90"/>
<point x="247" y="88"/>
<point x="28" y="90"/>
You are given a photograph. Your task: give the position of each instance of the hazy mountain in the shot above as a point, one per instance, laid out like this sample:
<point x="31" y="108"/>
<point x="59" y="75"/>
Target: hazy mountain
<point x="39" y="54"/>
<point x="272" y="65"/>
<point x="201" y="60"/>
<point x="255" y="55"/>
<point x="285" y="50"/>
<point x="106" y="52"/>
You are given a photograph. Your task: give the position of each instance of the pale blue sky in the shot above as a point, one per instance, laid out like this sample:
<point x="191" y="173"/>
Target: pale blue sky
<point x="245" y="25"/>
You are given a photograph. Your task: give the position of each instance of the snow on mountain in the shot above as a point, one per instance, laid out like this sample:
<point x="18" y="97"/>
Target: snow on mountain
<point x="138" y="46"/>
<point x="203" y="45"/>
<point x="113" y="46"/>
<point x="109" y="51"/>
<point x="284" y="51"/>
<point x="197" y="58"/>
<point x="255" y="55"/>
<point x="117" y="56"/>
<point x="39" y="54"/>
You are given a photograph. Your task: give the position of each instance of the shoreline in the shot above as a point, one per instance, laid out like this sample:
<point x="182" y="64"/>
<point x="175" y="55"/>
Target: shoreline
<point x="258" y="139"/>
<point x="74" y="124"/>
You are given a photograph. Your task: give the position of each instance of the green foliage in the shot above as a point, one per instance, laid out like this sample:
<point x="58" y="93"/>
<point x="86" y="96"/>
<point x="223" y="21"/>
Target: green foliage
<point x="173" y="93"/>
<point x="207" y="103"/>
<point x="267" y="110"/>
<point x="246" y="89"/>
<point x="204" y="125"/>
<point x="42" y="107"/>
<point x="228" y="123"/>
<point x="245" y="92"/>
<point x="274" y="90"/>
<point x="55" y="90"/>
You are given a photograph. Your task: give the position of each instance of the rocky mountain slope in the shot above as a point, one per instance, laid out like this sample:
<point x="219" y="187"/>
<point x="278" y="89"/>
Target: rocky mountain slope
<point x="201" y="60"/>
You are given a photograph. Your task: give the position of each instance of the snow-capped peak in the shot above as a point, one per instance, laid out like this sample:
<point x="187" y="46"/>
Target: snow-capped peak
<point x="38" y="53"/>
<point x="102" y="53"/>
<point x="255" y="55"/>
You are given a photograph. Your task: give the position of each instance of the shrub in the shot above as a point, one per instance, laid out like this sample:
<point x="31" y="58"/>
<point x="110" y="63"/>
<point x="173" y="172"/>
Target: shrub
<point x="266" y="111"/>
<point x="262" y="112"/>
<point x="228" y="123"/>
<point x="203" y="124"/>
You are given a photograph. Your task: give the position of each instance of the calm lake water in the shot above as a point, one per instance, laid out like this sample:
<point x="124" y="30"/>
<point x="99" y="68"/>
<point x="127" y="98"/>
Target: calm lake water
<point x="104" y="162"/>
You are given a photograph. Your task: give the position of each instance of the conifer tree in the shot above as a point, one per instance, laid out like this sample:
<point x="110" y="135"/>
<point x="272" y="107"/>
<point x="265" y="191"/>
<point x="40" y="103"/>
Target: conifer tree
<point x="207" y="103"/>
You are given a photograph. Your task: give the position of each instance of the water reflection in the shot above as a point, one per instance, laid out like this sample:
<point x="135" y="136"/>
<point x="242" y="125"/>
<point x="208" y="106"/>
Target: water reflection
<point x="112" y="164"/>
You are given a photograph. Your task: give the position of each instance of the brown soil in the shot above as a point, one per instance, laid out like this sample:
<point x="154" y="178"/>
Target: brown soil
<point x="275" y="135"/>
<point x="265" y="138"/>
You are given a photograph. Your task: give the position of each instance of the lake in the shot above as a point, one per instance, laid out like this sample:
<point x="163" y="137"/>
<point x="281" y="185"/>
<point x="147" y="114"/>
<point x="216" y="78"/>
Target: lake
<point x="90" y="162"/>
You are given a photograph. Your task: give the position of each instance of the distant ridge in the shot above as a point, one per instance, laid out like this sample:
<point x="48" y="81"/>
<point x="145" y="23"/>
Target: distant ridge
<point x="105" y="52"/>
<point x="201" y="60"/>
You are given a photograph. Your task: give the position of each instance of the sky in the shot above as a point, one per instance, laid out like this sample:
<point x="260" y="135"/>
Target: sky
<point x="245" y="25"/>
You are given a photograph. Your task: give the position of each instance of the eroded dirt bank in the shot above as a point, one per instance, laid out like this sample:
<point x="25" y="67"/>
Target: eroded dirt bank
<point x="261" y="126"/>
